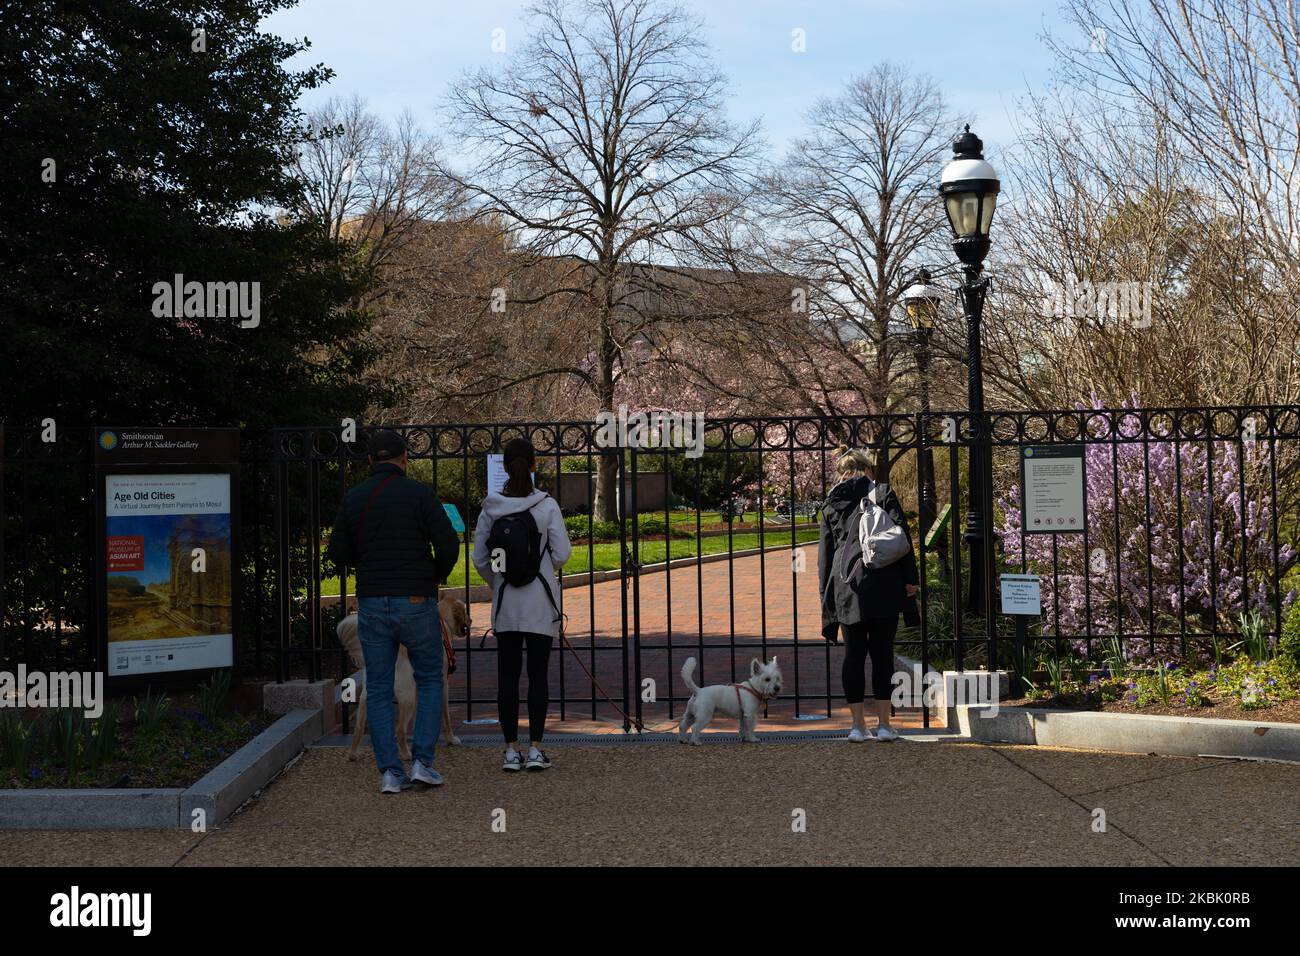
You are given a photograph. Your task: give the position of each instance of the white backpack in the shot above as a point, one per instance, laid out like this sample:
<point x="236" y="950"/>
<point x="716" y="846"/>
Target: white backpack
<point x="883" y="542"/>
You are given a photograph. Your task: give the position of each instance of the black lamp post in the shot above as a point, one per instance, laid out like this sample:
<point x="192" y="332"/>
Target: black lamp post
<point x="969" y="188"/>
<point x="921" y="300"/>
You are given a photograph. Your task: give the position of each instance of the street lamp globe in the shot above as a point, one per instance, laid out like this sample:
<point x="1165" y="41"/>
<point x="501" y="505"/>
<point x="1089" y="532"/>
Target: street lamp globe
<point x="969" y="187"/>
<point x="921" y="300"/>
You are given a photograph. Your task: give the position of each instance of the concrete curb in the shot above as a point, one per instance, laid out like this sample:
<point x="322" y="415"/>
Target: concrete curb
<point x="225" y="788"/>
<point x="136" y="809"/>
<point x="219" y="793"/>
<point x="1129" y="733"/>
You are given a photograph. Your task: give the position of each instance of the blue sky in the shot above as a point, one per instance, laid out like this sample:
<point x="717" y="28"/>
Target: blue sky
<point x="985" y="54"/>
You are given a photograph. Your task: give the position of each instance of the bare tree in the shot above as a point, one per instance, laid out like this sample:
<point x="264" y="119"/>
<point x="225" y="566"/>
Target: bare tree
<point x="1165" y="163"/>
<point x="1224" y="77"/>
<point x="602" y="144"/>
<point x="849" y="215"/>
<point x="371" y="182"/>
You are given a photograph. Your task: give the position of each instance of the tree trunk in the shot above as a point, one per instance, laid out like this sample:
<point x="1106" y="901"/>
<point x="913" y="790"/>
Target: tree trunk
<point x="605" y="506"/>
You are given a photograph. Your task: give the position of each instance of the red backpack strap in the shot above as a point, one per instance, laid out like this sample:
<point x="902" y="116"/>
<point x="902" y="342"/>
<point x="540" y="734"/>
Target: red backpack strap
<point x="361" y="524"/>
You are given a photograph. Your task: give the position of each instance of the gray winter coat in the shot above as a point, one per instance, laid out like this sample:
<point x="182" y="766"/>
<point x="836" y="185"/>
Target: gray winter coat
<point x="868" y="593"/>
<point x="526" y="609"/>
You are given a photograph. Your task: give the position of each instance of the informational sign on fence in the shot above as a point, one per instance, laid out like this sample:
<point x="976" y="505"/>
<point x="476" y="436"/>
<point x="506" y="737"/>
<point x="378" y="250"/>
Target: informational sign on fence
<point x="1022" y="594"/>
<point x="1052" y="489"/>
<point x="168" y="565"/>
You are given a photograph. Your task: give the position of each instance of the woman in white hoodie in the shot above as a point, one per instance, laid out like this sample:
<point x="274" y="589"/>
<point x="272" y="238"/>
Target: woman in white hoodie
<point x="522" y="614"/>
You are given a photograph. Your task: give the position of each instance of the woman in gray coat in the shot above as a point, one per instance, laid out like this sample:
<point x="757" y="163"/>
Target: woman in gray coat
<point x="862" y="602"/>
<point x="528" y="615"/>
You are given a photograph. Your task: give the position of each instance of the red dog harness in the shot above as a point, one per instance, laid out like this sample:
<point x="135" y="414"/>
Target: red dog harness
<point x="745" y="686"/>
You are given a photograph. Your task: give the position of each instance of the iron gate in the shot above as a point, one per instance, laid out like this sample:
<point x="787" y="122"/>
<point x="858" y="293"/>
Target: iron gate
<point x="1192" y="521"/>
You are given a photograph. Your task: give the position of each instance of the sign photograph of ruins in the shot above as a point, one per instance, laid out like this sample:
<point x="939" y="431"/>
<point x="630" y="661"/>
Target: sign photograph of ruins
<point x="168" y="569"/>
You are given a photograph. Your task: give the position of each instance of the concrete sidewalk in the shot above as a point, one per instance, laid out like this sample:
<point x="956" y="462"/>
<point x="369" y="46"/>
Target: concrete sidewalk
<point x="875" y="804"/>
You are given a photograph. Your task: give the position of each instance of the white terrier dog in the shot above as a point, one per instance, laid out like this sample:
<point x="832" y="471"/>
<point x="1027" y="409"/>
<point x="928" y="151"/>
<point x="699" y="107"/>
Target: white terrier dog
<point x="742" y="701"/>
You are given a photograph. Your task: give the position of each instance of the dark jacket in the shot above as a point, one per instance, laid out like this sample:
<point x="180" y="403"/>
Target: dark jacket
<point x="391" y="552"/>
<point x="869" y="593"/>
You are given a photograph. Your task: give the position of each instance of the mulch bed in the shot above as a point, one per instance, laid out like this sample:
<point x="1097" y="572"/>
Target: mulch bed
<point x="182" y="751"/>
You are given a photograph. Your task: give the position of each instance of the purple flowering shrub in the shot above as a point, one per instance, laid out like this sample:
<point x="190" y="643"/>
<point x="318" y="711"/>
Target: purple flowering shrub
<point x="1222" y="531"/>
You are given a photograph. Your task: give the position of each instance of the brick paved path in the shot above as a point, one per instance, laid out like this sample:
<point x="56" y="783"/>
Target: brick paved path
<point x="689" y="611"/>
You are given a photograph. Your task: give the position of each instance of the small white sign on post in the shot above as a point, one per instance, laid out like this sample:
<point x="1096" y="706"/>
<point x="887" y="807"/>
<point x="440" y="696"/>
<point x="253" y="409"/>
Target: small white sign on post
<point x="1021" y="594"/>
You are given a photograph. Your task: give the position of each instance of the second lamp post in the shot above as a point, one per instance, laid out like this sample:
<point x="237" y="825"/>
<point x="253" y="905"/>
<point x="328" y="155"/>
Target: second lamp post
<point x="969" y="188"/>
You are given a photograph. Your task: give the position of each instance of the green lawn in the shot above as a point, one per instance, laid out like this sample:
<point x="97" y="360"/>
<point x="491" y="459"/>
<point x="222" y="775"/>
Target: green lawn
<point x="708" y="518"/>
<point x="604" y="557"/>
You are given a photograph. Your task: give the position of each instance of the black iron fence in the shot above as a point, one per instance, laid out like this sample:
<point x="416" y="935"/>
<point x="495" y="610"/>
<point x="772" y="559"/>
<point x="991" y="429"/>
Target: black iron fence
<point x="1191" y="523"/>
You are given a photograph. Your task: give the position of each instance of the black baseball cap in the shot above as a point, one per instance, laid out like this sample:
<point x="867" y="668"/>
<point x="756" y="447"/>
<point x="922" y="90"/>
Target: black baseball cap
<point x="385" y="445"/>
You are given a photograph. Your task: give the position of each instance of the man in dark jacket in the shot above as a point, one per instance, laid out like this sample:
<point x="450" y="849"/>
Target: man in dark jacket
<point x="863" y="602"/>
<point x="384" y="530"/>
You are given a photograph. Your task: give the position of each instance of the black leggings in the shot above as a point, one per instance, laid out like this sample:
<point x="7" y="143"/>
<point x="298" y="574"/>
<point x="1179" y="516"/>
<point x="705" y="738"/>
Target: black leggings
<point x="510" y="653"/>
<point x="874" y="635"/>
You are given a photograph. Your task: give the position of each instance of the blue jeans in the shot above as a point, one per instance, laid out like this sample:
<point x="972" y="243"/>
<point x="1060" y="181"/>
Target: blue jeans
<point x="382" y="624"/>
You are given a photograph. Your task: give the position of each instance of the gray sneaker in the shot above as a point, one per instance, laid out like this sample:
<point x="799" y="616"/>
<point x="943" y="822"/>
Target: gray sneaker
<point x="514" y="761"/>
<point x="425" y="775"/>
<point x="392" y="783"/>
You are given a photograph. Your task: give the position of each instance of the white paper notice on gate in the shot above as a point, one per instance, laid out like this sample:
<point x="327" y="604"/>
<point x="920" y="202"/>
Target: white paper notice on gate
<point x="496" y="473"/>
<point x="1052" y="479"/>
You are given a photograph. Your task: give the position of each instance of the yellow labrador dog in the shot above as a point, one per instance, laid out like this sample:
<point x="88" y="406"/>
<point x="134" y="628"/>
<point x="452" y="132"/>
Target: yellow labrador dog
<point x="455" y="623"/>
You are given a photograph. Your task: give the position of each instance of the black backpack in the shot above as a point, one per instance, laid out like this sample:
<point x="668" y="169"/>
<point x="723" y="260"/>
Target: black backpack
<point x="518" y="539"/>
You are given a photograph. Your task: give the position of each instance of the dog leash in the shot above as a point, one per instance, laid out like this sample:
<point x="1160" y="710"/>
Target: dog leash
<point x="639" y="725"/>
<point x="564" y="639"/>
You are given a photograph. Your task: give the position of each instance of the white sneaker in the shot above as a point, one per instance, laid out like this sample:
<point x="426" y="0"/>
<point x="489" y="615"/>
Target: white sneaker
<point x="886" y="734"/>
<point x="514" y="761"/>
<point x="392" y="783"/>
<point x="857" y="736"/>
<point x="425" y="775"/>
